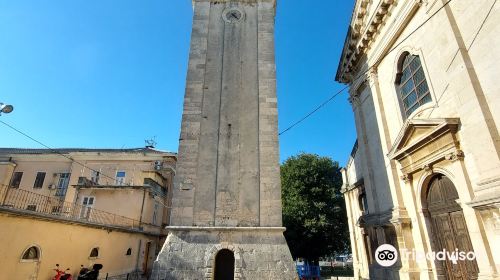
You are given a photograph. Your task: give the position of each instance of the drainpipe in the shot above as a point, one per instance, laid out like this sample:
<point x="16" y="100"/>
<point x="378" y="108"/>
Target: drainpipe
<point x="142" y="206"/>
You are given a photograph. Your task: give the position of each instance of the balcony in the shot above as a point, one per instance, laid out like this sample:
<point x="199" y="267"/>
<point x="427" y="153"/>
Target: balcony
<point x="29" y="203"/>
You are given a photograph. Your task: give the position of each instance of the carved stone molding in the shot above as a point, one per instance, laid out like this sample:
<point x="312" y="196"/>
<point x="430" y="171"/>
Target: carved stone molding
<point x="407" y="177"/>
<point x="456" y="155"/>
<point x="423" y="143"/>
<point x="361" y="34"/>
<point x="372" y="76"/>
<point x="354" y="100"/>
<point x="427" y="168"/>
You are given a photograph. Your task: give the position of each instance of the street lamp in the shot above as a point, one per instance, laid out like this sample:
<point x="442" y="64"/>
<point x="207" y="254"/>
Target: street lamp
<point x="5" y="108"/>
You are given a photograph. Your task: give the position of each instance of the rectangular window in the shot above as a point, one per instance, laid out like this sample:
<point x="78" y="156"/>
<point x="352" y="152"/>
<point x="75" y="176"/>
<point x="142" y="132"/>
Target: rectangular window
<point x="16" y="179"/>
<point x="88" y="201"/>
<point x="95" y="176"/>
<point x="40" y="177"/>
<point x="31" y="207"/>
<point x="120" y="178"/>
<point x="62" y="184"/>
<point x="56" y="209"/>
<point x="87" y="204"/>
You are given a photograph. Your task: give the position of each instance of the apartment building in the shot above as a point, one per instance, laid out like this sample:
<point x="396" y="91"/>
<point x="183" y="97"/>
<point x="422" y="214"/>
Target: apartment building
<point x="78" y="207"/>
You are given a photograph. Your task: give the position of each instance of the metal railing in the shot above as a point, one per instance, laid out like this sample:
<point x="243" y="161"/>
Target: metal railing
<point x="26" y="201"/>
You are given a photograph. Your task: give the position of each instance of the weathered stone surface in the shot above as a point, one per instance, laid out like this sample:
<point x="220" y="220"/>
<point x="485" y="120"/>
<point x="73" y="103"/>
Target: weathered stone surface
<point x="260" y="253"/>
<point x="227" y="188"/>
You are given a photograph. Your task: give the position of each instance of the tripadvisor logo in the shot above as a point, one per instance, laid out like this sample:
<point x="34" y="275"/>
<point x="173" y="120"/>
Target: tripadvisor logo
<point x="386" y="255"/>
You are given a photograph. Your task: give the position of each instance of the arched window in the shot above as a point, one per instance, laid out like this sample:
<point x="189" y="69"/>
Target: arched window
<point x="94" y="253"/>
<point x="129" y="252"/>
<point x="411" y="84"/>
<point x="32" y="254"/>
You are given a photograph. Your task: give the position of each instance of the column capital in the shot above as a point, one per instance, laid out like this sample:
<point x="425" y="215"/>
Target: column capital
<point x="372" y="75"/>
<point x="456" y="155"/>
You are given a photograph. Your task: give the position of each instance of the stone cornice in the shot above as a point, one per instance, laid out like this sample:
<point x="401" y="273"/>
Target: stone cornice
<point x="201" y="228"/>
<point x="362" y="35"/>
<point x="438" y="127"/>
<point x="240" y="1"/>
<point x="359" y="38"/>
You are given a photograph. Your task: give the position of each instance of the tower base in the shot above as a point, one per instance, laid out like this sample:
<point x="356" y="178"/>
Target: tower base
<point x="190" y="253"/>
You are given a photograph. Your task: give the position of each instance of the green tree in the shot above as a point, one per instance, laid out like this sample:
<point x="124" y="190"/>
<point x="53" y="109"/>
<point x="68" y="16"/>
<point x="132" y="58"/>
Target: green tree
<point x="314" y="210"/>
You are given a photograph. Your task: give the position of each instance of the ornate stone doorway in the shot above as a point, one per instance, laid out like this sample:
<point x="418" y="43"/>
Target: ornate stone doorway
<point x="224" y="265"/>
<point x="449" y="230"/>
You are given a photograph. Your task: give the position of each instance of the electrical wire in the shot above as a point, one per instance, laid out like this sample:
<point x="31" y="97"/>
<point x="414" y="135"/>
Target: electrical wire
<point x="362" y="75"/>
<point x="55" y="151"/>
<point x="319" y="107"/>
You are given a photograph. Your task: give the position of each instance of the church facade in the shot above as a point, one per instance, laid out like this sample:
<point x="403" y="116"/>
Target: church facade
<point x="424" y="175"/>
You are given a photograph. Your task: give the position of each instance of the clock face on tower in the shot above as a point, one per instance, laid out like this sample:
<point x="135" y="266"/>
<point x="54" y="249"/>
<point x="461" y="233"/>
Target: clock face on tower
<point x="232" y="15"/>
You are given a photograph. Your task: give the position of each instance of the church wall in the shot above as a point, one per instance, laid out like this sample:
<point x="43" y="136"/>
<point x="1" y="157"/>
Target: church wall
<point x="374" y="147"/>
<point x="454" y="91"/>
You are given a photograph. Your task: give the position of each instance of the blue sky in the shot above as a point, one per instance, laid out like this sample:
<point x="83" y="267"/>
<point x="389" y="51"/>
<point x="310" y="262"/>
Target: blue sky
<point x="110" y="74"/>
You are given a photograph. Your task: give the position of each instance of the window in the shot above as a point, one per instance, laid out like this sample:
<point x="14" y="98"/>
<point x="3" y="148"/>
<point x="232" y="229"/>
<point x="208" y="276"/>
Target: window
<point x="87" y="203"/>
<point x="62" y="185"/>
<point x="155" y="213"/>
<point x="16" y="179"/>
<point x="94" y="253"/>
<point x="363" y="203"/>
<point x="32" y="253"/>
<point x="120" y="178"/>
<point x="412" y="85"/>
<point x="56" y="209"/>
<point x="31" y="207"/>
<point x="40" y="177"/>
<point x="95" y="176"/>
<point x="129" y="252"/>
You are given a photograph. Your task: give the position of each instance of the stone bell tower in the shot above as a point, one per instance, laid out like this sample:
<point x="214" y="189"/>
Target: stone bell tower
<point x="226" y="205"/>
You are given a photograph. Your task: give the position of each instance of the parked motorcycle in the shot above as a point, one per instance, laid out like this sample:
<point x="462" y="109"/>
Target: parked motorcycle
<point x="92" y="274"/>
<point x="83" y="270"/>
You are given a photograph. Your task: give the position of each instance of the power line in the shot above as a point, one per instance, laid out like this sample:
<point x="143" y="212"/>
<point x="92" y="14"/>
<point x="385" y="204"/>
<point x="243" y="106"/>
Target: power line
<point x="282" y="132"/>
<point x="482" y="24"/>
<point x="68" y="157"/>
<point x="363" y="73"/>
<point x="314" y="111"/>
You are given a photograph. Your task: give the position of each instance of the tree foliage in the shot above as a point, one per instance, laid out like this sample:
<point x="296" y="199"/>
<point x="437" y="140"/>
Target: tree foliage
<point x="313" y="208"/>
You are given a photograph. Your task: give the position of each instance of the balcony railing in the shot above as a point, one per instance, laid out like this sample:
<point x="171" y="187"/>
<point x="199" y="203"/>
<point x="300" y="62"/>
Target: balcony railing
<point x="30" y="202"/>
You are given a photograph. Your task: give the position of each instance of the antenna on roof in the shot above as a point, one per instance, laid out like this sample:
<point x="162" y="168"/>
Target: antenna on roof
<point x="151" y="143"/>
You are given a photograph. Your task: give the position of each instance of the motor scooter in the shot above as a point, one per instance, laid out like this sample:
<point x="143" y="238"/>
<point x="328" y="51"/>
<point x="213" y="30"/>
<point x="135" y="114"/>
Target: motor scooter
<point x="62" y="274"/>
<point x="91" y="274"/>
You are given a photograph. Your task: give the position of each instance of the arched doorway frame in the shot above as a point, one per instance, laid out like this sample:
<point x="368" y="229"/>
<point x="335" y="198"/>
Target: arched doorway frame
<point x="210" y="260"/>
<point x="423" y="188"/>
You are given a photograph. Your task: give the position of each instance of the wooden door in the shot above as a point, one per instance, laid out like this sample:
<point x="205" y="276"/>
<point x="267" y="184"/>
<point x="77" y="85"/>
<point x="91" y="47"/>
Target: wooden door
<point x="145" y="264"/>
<point x="449" y="228"/>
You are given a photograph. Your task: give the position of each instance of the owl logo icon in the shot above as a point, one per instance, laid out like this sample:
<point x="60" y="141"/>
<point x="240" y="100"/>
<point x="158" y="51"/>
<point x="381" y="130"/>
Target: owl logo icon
<point x="386" y="255"/>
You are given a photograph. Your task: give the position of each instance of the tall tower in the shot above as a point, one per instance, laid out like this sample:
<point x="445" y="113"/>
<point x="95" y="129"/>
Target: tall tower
<point x="226" y="205"/>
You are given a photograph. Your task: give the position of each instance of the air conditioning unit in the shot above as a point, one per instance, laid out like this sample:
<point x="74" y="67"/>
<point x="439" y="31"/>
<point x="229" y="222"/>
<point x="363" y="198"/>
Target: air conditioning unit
<point x="158" y="165"/>
<point x="52" y="186"/>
